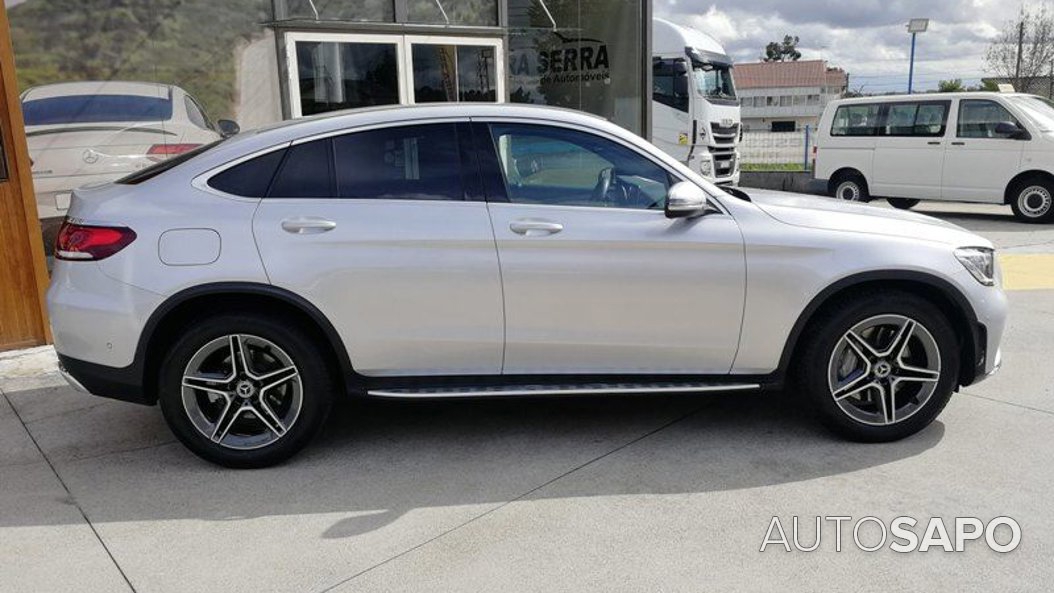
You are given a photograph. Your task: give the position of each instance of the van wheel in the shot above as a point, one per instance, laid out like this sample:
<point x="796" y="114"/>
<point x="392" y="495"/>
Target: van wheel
<point x="903" y="203"/>
<point x="245" y="391"/>
<point x="851" y="187"/>
<point x="1032" y="200"/>
<point x="879" y="368"/>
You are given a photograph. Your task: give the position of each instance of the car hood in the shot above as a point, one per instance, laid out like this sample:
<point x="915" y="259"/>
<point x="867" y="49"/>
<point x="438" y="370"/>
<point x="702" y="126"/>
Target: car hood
<point x="840" y="215"/>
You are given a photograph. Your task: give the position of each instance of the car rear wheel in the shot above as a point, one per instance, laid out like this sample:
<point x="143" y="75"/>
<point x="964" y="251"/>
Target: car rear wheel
<point x="245" y="391"/>
<point x="879" y="368"/>
<point x="1033" y="201"/>
<point x="851" y="187"/>
<point x="903" y="203"/>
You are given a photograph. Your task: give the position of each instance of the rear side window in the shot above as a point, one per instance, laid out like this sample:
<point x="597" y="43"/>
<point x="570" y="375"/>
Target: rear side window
<point x="88" y="109"/>
<point x="916" y="119"/>
<point x="306" y="173"/>
<point x="250" y="179"/>
<point x="856" y="120"/>
<point x="403" y="163"/>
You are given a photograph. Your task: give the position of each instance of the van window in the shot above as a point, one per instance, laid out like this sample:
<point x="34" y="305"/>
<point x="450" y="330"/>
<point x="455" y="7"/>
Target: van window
<point x="916" y="119"/>
<point x="856" y="120"/>
<point x="978" y="118"/>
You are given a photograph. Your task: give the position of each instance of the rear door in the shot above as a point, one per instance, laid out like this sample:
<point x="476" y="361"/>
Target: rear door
<point x="980" y="162"/>
<point x="385" y="234"/>
<point x="909" y="152"/>
<point x="596" y="279"/>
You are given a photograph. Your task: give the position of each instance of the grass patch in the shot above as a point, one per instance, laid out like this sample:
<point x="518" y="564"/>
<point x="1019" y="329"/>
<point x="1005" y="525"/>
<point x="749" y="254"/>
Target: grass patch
<point x="795" y="167"/>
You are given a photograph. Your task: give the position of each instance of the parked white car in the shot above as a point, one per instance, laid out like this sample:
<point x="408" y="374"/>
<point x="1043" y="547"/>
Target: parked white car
<point x="82" y="133"/>
<point x="479" y="250"/>
<point x="990" y="148"/>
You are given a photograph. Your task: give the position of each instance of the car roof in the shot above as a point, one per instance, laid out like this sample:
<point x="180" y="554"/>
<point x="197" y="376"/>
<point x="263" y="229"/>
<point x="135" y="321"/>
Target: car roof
<point x="108" y="87"/>
<point x="930" y="97"/>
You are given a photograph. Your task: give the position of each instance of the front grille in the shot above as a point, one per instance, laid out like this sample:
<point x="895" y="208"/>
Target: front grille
<point x="724" y="135"/>
<point x="724" y="162"/>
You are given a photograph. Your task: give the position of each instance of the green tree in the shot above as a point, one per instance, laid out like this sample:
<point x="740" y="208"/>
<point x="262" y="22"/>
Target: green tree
<point x="954" y="85"/>
<point x="785" y="51"/>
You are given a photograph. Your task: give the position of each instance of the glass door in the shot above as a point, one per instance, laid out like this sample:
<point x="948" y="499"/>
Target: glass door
<point x="328" y="72"/>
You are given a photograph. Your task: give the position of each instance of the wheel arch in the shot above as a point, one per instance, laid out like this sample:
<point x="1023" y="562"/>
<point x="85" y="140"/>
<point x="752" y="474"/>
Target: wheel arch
<point x="841" y="174"/>
<point x="165" y="322"/>
<point x="1008" y="193"/>
<point x="937" y="290"/>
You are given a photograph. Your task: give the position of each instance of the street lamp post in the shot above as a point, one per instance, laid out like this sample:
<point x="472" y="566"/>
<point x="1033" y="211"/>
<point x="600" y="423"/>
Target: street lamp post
<point x="915" y="26"/>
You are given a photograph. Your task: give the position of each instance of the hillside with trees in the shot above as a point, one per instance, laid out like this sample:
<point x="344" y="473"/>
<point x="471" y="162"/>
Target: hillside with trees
<point x="189" y="43"/>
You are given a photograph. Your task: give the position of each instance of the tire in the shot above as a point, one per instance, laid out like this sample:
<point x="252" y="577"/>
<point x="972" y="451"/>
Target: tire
<point x="1032" y="200"/>
<point x="903" y="203"/>
<point x="829" y="365"/>
<point x="851" y="187"/>
<point x="286" y="384"/>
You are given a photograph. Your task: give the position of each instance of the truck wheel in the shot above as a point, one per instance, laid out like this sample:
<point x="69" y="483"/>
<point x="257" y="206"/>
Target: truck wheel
<point x="851" y="187"/>
<point x="1032" y="200"/>
<point x="879" y="368"/>
<point x="244" y="390"/>
<point x="903" y="203"/>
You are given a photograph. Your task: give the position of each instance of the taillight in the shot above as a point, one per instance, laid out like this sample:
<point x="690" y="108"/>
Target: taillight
<point x="78" y="242"/>
<point x="160" y="152"/>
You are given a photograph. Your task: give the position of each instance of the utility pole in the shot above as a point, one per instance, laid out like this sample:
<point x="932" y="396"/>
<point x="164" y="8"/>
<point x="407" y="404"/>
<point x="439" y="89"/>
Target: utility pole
<point x="1020" y="53"/>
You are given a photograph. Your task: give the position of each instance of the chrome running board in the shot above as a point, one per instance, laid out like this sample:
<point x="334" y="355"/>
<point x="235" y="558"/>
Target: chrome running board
<point x="542" y="390"/>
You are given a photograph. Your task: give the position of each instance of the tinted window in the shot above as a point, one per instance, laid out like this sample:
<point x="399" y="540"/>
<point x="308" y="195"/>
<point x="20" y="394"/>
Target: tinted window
<point x="555" y="166"/>
<point x="670" y="83"/>
<point x="856" y="120"/>
<point x="251" y="178"/>
<point x="306" y="173"/>
<point x="408" y="163"/>
<point x="83" y="109"/>
<point x="979" y="118"/>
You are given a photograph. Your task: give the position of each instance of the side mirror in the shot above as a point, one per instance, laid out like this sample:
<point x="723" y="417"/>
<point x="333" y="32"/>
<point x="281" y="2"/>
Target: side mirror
<point x="228" y="127"/>
<point x="686" y="200"/>
<point x="1011" y="130"/>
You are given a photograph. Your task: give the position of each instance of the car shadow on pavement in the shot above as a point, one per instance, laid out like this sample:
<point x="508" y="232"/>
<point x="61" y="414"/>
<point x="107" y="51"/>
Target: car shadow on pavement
<point x="380" y="459"/>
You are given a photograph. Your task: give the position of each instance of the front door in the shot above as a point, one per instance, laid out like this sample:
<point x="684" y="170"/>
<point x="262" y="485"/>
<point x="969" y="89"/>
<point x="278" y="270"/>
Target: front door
<point x="377" y="229"/>
<point x="332" y="71"/>
<point x="909" y="152"/>
<point x="596" y="279"/>
<point x="980" y="162"/>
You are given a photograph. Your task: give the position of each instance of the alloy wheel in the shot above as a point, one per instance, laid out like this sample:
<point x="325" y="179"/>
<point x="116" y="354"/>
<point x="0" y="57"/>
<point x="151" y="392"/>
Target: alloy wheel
<point x="884" y="370"/>
<point x="242" y="392"/>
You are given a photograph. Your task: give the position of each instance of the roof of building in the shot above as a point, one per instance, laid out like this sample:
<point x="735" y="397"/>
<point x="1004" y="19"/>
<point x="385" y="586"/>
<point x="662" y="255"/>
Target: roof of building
<point x="804" y="73"/>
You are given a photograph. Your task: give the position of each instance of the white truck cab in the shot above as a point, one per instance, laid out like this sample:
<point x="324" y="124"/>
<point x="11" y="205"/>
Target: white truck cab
<point x="995" y="148"/>
<point x="695" y="109"/>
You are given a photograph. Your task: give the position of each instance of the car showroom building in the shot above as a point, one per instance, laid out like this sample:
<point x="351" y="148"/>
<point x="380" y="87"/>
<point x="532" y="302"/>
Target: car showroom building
<point x="591" y="55"/>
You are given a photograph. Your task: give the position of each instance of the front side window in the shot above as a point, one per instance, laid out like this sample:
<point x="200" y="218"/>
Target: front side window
<point x="405" y="163"/>
<point x="670" y="83"/>
<point x="856" y="120"/>
<point x="978" y="119"/>
<point x="560" y="167"/>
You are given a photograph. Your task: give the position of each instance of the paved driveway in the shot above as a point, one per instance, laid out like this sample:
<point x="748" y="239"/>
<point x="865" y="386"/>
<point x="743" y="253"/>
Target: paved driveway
<point x="671" y="493"/>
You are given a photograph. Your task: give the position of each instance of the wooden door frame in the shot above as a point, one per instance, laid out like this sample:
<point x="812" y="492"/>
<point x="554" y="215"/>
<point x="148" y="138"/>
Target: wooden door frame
<point x="20" y="171"/>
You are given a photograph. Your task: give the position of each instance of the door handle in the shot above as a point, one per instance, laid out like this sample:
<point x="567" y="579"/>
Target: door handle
<point x="535" y="228"/>
<point x="307" y="225"/>
<point x="934" y="143"/>
<point x="958" y="144"/>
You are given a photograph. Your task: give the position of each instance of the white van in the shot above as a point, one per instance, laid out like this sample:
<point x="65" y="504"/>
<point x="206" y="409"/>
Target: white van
<point x="990" y="148"/>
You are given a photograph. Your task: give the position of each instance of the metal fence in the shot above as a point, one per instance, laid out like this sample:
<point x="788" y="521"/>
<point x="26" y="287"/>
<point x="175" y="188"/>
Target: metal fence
<point x="761" y="150"/>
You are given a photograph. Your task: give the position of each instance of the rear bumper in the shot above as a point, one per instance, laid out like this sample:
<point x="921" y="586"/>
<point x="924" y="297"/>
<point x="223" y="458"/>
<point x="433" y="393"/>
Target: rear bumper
<point x="124" y="384"/>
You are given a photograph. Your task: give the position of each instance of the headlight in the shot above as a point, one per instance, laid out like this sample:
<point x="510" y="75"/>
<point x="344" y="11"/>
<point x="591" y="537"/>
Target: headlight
<point x="980" y="262"/>
<point x="706" y="168"/>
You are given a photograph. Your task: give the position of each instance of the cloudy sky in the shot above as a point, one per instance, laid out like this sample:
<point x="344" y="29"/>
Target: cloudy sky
<point x="866" y="37"/>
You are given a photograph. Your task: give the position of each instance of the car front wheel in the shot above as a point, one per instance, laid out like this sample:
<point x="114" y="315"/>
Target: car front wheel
<point x="245" y="391"/>
<point x="880" y="368"/>
<point x="1033" y="201"/>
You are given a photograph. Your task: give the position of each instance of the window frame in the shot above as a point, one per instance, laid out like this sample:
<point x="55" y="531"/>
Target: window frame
<point x="492" y="172"/>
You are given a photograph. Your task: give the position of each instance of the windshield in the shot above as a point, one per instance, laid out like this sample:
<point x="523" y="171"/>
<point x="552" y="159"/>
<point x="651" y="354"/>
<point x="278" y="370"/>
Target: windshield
<point x="1040" y="111"/>
<point x="84" y="109"/>
<point x="714" y="81"/>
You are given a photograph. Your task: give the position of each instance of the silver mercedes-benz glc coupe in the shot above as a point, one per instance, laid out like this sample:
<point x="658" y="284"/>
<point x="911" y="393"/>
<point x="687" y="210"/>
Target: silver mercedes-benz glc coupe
<point x="499" y="250"/>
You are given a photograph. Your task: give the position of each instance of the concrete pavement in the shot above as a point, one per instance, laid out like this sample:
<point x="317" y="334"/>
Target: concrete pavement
<point x="670" y="493"/>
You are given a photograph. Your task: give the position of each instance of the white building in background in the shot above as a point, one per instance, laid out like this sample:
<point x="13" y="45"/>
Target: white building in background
<point x="787" y="96"/>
